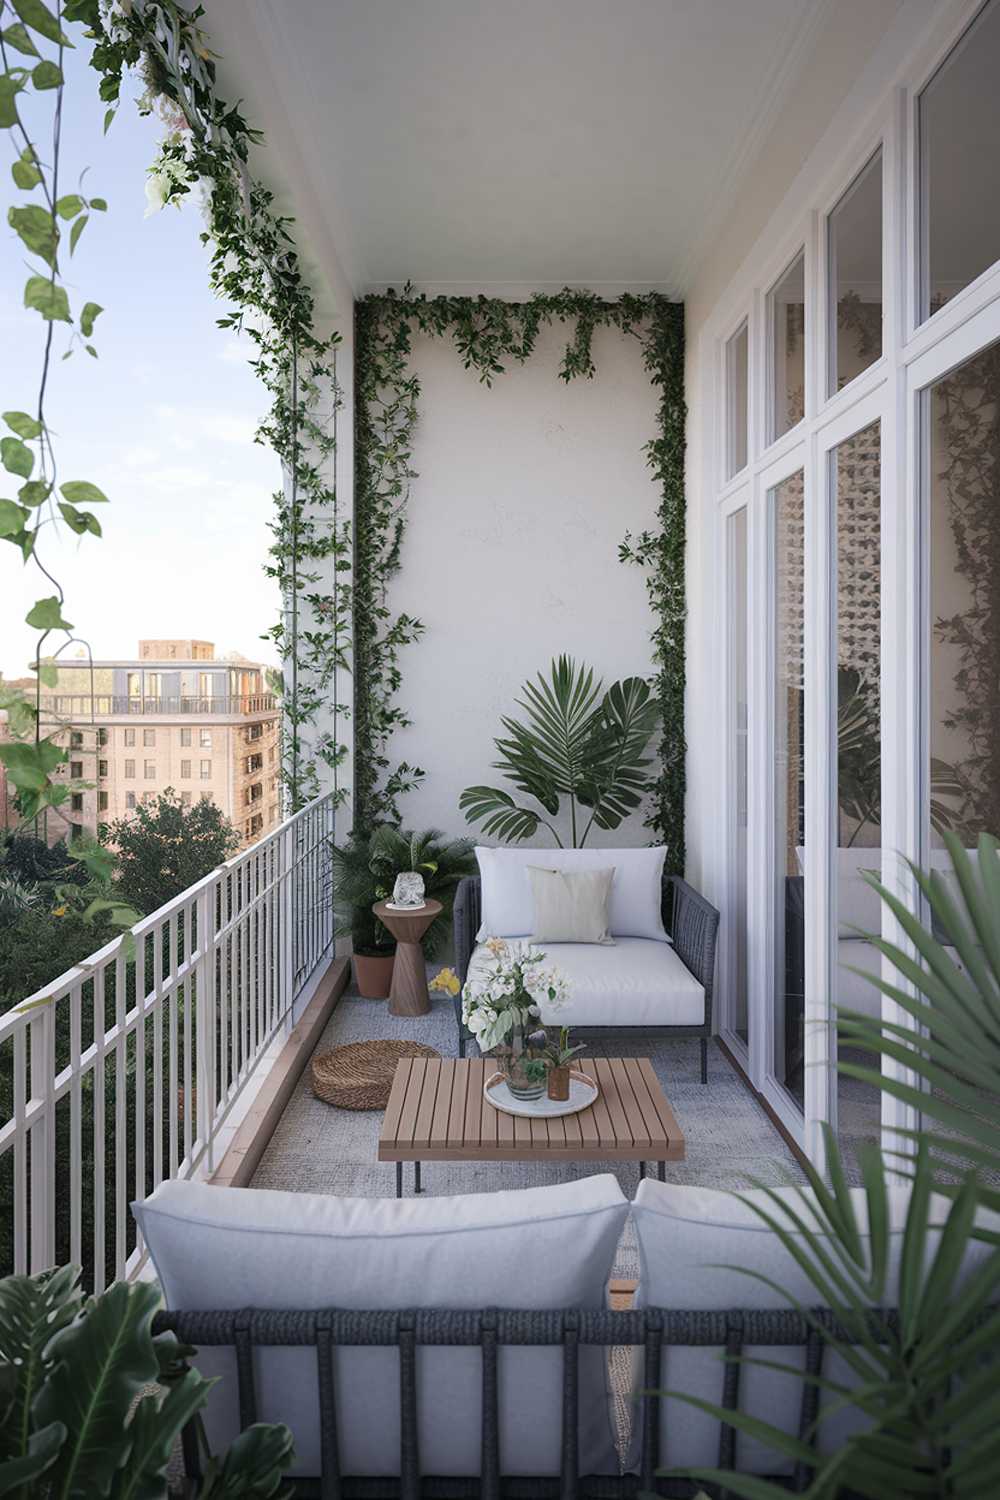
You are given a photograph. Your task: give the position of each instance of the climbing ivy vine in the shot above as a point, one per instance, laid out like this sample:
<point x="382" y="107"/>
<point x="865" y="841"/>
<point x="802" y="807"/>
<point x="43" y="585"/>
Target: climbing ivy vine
<point x="490" y="334"/>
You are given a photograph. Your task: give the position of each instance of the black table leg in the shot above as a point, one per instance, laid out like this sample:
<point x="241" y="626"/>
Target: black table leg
<point x="416" y="1178"/>
<point x="642" y="1170"/>
<point x="661" y="1170"/>
<point x="399" y="1179"/>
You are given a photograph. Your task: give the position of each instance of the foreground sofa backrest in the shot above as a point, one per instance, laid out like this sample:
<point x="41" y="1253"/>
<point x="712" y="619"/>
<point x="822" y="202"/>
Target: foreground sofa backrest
<point x="706" y="1251"/>
<point x="228" y="1249"/>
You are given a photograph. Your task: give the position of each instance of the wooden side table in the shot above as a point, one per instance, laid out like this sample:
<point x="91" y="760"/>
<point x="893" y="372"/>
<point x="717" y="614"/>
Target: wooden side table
<point x="408" y="993"/>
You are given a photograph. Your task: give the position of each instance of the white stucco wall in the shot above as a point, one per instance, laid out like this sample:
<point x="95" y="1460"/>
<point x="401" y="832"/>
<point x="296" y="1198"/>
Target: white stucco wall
<point x="524" y="493"/>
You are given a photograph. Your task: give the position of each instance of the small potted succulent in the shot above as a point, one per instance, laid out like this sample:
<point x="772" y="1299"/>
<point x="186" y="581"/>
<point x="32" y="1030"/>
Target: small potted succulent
<point x="557" y="1062"/>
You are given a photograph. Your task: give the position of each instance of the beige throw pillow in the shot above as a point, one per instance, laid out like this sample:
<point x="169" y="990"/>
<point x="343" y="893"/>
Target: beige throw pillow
<point x="570" y="908"/>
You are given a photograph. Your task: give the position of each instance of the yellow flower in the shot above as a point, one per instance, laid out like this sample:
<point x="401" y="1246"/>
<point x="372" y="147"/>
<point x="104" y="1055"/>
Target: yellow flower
<point x="59" y="911"/>
<point x="445" y="982"/>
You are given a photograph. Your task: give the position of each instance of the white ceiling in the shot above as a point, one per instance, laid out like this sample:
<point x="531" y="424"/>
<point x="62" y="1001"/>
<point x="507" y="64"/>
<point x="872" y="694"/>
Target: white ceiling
<point x="503" y="143"/>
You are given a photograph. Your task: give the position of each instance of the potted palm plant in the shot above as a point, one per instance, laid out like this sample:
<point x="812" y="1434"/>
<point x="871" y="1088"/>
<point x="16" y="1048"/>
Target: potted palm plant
<point x="364" y="872"/>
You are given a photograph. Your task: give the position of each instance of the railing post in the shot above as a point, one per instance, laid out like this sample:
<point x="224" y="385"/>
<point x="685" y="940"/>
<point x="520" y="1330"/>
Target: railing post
<point x="43" y="1139"/>
<point x="205" y="1083"/>
<point x="287" y="942"/>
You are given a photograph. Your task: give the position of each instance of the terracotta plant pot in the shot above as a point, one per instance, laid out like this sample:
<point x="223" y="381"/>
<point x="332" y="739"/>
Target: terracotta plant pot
<point x="559" y="1083"/>
<point x="373" y="974"/>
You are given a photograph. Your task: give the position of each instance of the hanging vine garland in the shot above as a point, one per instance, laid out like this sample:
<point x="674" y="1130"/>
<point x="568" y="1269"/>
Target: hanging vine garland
<point x="255" y="267"/>
<point x="488" y="334"/>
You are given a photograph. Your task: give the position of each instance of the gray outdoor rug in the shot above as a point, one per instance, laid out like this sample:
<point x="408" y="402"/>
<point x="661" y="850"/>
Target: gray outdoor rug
<point x="319" y="1149"/>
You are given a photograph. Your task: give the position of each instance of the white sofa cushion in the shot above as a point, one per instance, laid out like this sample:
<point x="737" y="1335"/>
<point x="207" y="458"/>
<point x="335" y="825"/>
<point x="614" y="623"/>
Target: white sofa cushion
<point x="545" y="1247"/>
<point x="635" y="983"/>
<point x="634" y="909"/>
<point x="689" y="1240"/>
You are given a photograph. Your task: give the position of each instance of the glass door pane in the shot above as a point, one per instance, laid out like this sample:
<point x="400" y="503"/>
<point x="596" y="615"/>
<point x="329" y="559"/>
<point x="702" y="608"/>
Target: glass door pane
<point x="737" y="353"/>
<point x="857" y="466"/>
<point x="786" y="313"/>
<point x="855" y="272"/>
<point x="736" y="527"/>
<point x="788" y="521"/>
<point x="963" y="511"/>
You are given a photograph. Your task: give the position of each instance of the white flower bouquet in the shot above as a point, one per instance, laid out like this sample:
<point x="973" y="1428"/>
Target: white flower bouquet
<point x="501" y="996"/>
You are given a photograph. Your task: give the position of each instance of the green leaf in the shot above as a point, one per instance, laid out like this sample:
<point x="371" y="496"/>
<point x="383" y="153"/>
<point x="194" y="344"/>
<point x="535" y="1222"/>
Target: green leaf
<point x="48" y="298"/>
<point x="25" y="171"/>
<point x="46" y="614"/>
<point x="91" y="350"/>
<point x="155" y="1426"/>
<point x="16" y="458"/>
<point x="32" y="1309"/>
<point x="29" y="765"/>
<point x="69" y="206"/>
<point x="100" y="204"/>
<point x="77" y="230"/>
<point x="9" y="90"/>
<point x="12" y="518"/>
<point x="82" y="492"/>
<point x="22" y="424"/>
<point x="35" y="492"/>
<point x="48" y="674"/>
<point x="109" y="115"/>
<point x="91" y="311"/>
<point x="43" y="1449"/>
<point x="100" y="1365"/>
<point x="80" y="521"/>
<point x="48" y="75"/>
<point x="17" y="37"/>
<point x="36" y="229"/>
<point x="38" y="16"/>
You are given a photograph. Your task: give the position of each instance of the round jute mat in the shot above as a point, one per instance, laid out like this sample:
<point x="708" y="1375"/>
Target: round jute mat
<point x="359" y="1074"/>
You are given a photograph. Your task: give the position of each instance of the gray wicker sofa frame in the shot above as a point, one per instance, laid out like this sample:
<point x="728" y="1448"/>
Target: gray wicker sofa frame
<point x="652" y="1329"/>
<point x="693" y="924"/>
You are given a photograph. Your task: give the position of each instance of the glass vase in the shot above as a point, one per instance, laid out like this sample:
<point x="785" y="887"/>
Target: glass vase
<point x="512" y="1058"/>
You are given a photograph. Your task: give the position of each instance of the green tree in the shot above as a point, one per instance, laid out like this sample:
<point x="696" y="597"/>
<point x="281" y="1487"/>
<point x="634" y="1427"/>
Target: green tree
<point x="164" y="847"/>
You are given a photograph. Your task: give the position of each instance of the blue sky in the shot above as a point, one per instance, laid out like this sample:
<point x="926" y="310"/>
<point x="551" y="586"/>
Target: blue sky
<point x="163" y="421"/>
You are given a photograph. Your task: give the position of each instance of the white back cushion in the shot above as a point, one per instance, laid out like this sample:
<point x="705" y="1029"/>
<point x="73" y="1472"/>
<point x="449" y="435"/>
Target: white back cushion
<point x="688" y="1239"/>
<point x="634" y="908"/>
<point x="546" y="1247"/>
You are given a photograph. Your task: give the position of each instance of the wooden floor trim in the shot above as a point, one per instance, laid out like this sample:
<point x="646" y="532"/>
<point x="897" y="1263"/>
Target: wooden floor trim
<point x="251" y="1139"/>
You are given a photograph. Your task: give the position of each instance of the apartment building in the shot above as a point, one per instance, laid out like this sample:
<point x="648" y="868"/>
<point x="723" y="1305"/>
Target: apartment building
<point x="175" y="716"/>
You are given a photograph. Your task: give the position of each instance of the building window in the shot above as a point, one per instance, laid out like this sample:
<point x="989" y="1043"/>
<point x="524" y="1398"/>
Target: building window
<point x="205" y="796"/>
<point x="76" y="770"/>
<point x="154" y="685"/>
<point x="76" y="738"/>
<point x="254" y="763"/>
<point x="185" y="770"/>
<point x="254" y="732"/>
<point x="102" y="737"/>
<point x="130" y="770"/>
<point x="959" y="139"/>
<point x="76" y="802"/>
<point x="737" y="359"/>
<point x="205" y="739"/>
<point x="205" y="770"/>
<point x="135" y="684"/>
<point x="185" y="799"/>
<point x="786" y="312"/>
<point x="129" y="737"/>
<point x="185" y="736"/>
<point x="149" y="737"/>
<point x="102" y="802"/>
<point x="149" y="770"/>
<point x="102" y="768"/>
<point x="855" y="277"/>
<point x="130" y="801"/>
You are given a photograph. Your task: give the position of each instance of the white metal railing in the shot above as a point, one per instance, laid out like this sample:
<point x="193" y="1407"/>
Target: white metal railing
<point x="123" y="1071"/>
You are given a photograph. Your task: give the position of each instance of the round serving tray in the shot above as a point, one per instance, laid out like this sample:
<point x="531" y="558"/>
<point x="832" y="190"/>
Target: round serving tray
<point x="582" y="1093"/>
<point x="396" y="906"/>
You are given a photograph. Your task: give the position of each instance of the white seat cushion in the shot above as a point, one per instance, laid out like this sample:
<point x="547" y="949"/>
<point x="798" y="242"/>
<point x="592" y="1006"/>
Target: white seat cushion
<point x="689" y="1239"/>
<point x="634" y="983"/>
<point x="547" y="1247"/>
<point x="634" y="907"/>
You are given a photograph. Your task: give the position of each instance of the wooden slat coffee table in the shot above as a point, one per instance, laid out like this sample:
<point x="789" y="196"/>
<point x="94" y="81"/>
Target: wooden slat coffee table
<point x="437" y="1112"/>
